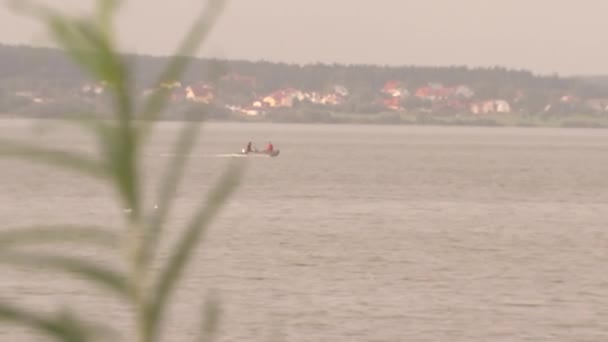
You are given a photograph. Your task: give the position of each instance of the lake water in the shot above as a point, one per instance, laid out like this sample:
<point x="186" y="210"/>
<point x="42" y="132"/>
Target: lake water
<point x="356" y="233"/>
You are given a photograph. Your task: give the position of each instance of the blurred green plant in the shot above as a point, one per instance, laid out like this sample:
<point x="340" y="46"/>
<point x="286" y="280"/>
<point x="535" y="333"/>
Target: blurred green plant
<point x="90" y="42"/>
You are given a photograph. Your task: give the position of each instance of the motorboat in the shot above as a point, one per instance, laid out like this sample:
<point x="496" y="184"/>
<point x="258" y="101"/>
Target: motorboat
<point x="257" y="153"/>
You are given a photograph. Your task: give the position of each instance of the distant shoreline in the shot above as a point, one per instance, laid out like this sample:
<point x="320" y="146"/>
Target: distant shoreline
<point x="44" y="83"/>
<point x="391" y="119"/>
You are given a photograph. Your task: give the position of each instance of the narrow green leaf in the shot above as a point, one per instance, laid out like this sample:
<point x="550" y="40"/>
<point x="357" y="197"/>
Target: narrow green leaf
<point x="89" y="44"/>
<point x="166" y="196"/>
<point x="182" y="251"/>
<point x="105" y="12"/>
<point x="211" y="320"/>
<point x="96" y="274"/>
<point x="123" y="163"/>
<point x="118" y="147"/>
<point x="112" y="68"/>
<point x="81" y="38"/>
<point x="105" y="64"/>
<point x="63" y="327"/>
<point x="49" y="156"/>
<point x="177" y="65"/>
<point x="93" y="331"/>
<point x="67" y="34"/>
<point x="58" y="233"/>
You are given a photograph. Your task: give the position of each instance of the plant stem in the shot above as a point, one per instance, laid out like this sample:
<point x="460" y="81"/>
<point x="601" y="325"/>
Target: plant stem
<point x="137" y="279"/>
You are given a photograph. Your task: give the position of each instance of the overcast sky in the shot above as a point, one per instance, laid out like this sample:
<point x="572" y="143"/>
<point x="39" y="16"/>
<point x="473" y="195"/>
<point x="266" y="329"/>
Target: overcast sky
<point x="545" y="36"/>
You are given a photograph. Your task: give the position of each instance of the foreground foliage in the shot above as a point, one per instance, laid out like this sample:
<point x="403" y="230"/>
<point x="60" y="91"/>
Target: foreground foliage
<point x="90" y="43"/>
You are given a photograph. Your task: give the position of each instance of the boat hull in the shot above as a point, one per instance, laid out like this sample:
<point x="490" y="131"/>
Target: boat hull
<point x="274" y="153"/>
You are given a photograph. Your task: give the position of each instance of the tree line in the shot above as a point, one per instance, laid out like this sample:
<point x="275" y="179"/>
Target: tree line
<point x="48" y="72"/>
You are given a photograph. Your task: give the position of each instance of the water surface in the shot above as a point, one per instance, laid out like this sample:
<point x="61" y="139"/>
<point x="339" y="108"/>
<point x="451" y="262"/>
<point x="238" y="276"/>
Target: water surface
<point x="357" y="233"/>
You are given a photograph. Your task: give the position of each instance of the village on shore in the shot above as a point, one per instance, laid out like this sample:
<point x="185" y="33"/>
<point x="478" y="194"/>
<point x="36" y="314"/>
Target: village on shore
<point x="39" y="82"/>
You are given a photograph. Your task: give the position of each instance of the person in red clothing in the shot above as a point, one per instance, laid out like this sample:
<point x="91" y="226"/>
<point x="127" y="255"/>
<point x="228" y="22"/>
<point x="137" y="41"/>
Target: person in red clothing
<point x="269" y="147"/>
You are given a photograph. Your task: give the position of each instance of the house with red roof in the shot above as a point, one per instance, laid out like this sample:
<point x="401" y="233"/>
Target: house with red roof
<point x="392" y="103"/>
<point x="394" y="91"/>
<point x="437" y="92"/>
<point x="395" y="88"/>
<point x="200" y="92"/>
<point x="282" y="98"/>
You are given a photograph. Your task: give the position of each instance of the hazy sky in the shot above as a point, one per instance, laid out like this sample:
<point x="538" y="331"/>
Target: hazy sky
<point x="564" y="36"/>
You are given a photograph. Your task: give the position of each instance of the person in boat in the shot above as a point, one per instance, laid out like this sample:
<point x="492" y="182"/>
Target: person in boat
<point x="269" y="148"/>
<point x="248" y="149"/>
